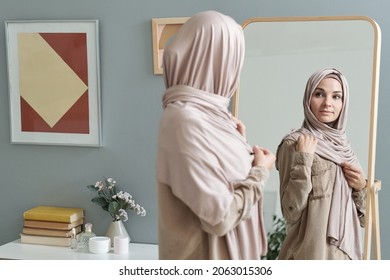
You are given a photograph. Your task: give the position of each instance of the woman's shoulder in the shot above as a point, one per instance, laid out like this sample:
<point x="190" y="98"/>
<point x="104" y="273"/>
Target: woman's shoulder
<point x="287" y="143"/>
<point x="180" y="114"/>
<point x="284" y="151"/>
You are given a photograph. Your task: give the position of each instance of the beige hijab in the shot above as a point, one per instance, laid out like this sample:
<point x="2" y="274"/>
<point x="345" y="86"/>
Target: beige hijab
<point x="333" y="144"/>
<point x="201" y="156"/>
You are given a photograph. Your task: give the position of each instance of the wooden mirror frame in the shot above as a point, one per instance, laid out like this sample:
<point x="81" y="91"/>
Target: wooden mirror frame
<point x="371" y="231"/>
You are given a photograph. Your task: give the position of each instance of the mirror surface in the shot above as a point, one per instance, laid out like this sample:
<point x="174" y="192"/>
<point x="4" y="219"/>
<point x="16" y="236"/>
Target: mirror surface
<point x="281" y="54"/>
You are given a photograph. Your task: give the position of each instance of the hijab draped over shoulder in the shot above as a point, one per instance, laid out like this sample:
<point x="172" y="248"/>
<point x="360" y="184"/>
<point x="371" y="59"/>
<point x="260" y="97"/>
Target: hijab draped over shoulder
<point x="201" y="155"/>
<point x="343" y="223"/>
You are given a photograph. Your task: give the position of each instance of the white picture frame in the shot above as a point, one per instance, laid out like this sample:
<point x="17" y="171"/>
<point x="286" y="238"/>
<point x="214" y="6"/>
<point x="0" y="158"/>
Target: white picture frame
<point x="54" y="82"/>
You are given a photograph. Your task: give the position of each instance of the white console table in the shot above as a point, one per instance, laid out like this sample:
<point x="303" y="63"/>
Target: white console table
<point x="18" y="251"/>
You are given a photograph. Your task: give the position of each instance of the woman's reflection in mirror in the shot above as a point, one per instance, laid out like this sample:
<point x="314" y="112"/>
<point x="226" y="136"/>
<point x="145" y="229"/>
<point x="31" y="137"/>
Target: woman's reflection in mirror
<point x="322" y="185"/>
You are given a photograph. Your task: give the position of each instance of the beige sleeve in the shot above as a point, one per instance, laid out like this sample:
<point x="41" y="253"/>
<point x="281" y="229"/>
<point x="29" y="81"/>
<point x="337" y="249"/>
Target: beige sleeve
<point x="295" y="180"/>
<point x="246" y="194"/>
<point x="359" y="197"/>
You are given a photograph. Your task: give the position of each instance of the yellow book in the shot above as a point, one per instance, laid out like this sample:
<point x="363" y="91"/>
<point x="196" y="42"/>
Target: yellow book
<point x="52" y="225"/>
<point x="54" y="214"/>
<point x="45" y="240"/>
<point x="49" y="232"/>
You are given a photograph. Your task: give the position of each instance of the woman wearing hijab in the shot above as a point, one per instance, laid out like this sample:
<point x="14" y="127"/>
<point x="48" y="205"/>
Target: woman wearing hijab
<point x="322" y="186"/>
<point x="210" y="181"/>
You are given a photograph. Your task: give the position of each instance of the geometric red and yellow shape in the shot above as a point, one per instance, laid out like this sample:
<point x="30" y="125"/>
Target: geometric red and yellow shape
<point x="53" y="82"/>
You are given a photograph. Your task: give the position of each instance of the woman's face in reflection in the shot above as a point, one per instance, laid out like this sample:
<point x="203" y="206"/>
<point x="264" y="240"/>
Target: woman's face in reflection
<point x="327" y="100"/>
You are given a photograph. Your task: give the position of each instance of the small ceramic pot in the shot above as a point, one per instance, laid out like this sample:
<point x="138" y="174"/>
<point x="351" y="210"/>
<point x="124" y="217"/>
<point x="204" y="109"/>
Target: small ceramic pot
<point x="99" y="244"/>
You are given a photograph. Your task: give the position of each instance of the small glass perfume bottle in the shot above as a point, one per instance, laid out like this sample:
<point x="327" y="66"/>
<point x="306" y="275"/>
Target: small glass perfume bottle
<point x="73" y="239"/>
<point x="85" y="236"/>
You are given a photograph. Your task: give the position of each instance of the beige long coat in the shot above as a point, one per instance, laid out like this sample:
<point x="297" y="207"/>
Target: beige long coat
<point x="183" y="235"/>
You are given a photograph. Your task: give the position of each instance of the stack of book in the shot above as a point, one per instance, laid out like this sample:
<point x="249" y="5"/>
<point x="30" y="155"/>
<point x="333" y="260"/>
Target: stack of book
<point x="51" y="225"/>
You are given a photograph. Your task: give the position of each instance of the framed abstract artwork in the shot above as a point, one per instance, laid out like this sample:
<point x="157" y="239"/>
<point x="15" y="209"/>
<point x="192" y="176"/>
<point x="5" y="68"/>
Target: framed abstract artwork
<point x="54" y="82"/>
<point x="163" y="29"/>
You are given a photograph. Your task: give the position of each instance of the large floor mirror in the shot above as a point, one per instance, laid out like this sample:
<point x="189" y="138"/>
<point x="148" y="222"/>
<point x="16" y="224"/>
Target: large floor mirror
<point x="281" y="54"/>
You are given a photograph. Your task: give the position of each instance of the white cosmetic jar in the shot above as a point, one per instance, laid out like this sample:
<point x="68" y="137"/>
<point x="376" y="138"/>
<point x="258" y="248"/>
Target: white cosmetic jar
<point x="99" y="244"/>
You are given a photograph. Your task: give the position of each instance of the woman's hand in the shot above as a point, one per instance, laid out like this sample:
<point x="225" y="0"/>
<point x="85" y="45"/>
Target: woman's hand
<point x="354" y="175"/>
<point x="263" y="158"/>
<point x="306" y="144"/>
<point x="240" y="127"/>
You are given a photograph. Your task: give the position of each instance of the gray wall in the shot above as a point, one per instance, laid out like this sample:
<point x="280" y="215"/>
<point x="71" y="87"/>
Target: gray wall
<point x="131" y="106"/>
